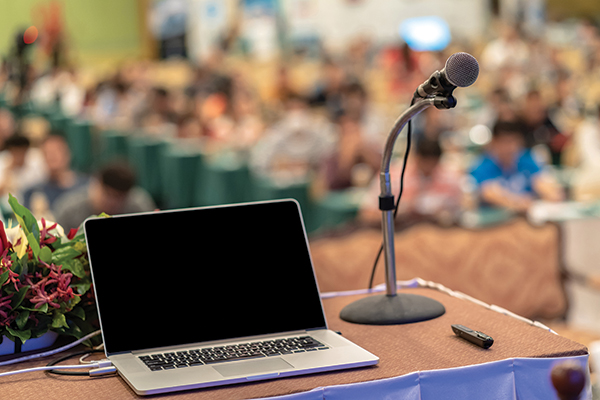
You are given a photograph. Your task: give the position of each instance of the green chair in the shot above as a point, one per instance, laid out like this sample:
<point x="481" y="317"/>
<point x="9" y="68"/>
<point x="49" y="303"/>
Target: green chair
<point x="146" y="155"/>
<point x="180" y="169"/>
<point x="223" y="180"/>
<point x="266" y="189"/>
<point x="113" y="146"/>
<point x="58" y="123"/>
<point x="337" y="208"/>
<point x="79" y="138"/>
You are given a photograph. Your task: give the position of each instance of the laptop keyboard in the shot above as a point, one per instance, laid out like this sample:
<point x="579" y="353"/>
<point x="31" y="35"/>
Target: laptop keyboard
<point x="211" y="355"/>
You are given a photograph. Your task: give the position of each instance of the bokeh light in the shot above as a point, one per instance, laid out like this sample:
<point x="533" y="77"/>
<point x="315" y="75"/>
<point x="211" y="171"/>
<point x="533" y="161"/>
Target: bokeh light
<point x="426" y="33"/>
<point x="30" y="35"/>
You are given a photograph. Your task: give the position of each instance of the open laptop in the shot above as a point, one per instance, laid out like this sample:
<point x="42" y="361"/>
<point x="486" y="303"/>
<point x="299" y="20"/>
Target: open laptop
<point x="211" y="296"/>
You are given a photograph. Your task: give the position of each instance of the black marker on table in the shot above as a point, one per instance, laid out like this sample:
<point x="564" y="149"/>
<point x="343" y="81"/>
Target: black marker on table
<point x="478" y="338"/>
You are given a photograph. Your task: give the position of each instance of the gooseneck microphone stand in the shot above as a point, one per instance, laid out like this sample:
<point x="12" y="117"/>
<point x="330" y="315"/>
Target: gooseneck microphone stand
<point x="393" y="308"/>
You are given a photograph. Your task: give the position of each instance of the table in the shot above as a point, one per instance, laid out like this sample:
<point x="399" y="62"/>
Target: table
<point x="519" y="362"/>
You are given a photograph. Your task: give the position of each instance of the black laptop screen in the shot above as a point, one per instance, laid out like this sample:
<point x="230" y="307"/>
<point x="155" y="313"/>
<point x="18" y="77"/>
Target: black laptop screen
<point x="180" y="277"/>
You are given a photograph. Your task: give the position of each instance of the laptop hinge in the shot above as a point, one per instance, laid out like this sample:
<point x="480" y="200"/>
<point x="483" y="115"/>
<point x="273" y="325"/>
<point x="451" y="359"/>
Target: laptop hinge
<point x="316" y="329"/>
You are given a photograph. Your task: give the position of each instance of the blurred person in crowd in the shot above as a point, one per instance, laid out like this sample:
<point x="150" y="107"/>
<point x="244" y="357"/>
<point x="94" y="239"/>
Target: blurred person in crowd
<point x="356" y="106"/>
<point x="588" y="36"/>
<point x="507" y="176"/>
<point x="214" y="112"/>
<point x="210" y="78"/>
<point x="61" y="178"/>
<point x="249" y="125"/>
<point x="161" y="103"/>
<point x="586" y="179"/>
<point x="59" y="86"/>
<point x="157" y="117"/>
<point x="431" y="124"/>
<point x="539" y="129"/>
<point x="498" y="107"/>
<point x="431" y="189"/>
<point x="115" y="106"/>
<point x="567" y="107"/>
<point x="189" y="127"/>
<point x="282" y="87"/>
<point x="7" y="125"/>
<point x="112" y="191"/>
<point x="508" y="50"/>
<point x="359" y="56"/>
<point x="21" y="167"/>
<point x="293" y="146"/>
<point x="401" y="64"/>
<point x="327" y="92"/>
<point x="354" y="152"/>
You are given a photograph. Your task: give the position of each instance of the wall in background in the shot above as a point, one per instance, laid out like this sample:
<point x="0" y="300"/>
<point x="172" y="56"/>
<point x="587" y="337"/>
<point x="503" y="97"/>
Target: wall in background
<point x="96" y="30"/>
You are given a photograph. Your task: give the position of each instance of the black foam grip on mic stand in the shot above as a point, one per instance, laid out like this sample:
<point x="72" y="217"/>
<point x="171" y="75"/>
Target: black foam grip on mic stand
<point x="444" y="103"/>
<point x="386" y="203"/>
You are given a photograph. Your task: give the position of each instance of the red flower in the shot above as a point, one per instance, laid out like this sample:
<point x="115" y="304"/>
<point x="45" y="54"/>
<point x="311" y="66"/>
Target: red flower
<point x="3" y="240"/>
<point x="72" y="233"/>
<point x="51" y="239"/>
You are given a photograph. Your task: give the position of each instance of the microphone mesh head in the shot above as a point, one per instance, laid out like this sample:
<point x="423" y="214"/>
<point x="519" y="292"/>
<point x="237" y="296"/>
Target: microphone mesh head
<point x="462" y="69"/>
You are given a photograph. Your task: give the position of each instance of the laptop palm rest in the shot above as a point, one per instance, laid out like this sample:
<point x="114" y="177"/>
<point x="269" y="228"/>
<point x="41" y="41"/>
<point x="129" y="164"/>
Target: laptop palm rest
<point x="253" y="367"/>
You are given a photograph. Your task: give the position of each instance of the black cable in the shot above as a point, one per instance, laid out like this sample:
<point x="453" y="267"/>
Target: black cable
<point x="65" y="372"/>
<point x="408" y="143"/>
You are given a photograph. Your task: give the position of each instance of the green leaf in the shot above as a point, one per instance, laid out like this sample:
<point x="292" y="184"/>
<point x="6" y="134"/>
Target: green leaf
<point x="35" y="230"/>
<point x="23" y="335"/>
<point x="46" y="255"/>
<point x="23" y="215"/>
<point x="59" y="320"/>
<point x="83" y="286"/>
<point x="75" y="266"/>
<point x="36" y="333"/>
<point x="22" y="319"/>
<point x="3" y="278"/>
<point x="42" y="309"/>
<point x="78" y="312"/>
<point x="17" y="299"/>
<point x="73" y="302"/>
<point x="64" y="254"/>
<point x="35" y="245"/>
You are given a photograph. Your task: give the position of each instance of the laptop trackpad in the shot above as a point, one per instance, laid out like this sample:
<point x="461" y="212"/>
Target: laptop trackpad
<point x="254" y="367"/>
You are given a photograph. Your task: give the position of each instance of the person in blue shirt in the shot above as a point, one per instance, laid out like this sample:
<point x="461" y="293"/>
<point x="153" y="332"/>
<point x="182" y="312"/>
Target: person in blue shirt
<point x="507" y="176"/>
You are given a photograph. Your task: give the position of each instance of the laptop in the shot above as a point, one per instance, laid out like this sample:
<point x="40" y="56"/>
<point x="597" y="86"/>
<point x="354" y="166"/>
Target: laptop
<point x="211" y="296"/>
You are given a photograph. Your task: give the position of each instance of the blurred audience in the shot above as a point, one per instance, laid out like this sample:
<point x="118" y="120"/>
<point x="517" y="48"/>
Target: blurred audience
<point x="506" y="174"/>
<point x="326" y="120"/>
<point x="112" y="191"/>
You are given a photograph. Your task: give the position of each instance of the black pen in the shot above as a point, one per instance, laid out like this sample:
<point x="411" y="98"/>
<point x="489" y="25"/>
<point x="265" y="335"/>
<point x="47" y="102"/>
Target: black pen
<point x="478" y="338"/>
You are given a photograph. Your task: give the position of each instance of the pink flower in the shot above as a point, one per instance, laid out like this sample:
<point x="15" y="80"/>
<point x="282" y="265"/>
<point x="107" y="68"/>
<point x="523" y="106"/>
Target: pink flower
<point x="5" y="308"/>
<point x="42" y="297"/>
<point x="51" y="289"/>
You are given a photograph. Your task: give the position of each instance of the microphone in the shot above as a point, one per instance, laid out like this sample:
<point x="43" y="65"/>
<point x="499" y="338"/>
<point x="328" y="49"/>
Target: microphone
<point x="461" y="70"/>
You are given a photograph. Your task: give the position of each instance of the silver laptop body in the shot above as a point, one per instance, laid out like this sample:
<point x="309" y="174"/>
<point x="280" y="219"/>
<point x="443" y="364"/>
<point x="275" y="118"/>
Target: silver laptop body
<point x="211" y="296"/>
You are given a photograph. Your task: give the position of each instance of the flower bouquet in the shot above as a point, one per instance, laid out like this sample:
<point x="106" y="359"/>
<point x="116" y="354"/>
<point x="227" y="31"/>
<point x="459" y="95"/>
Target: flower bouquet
<point x="45" y="283"/>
